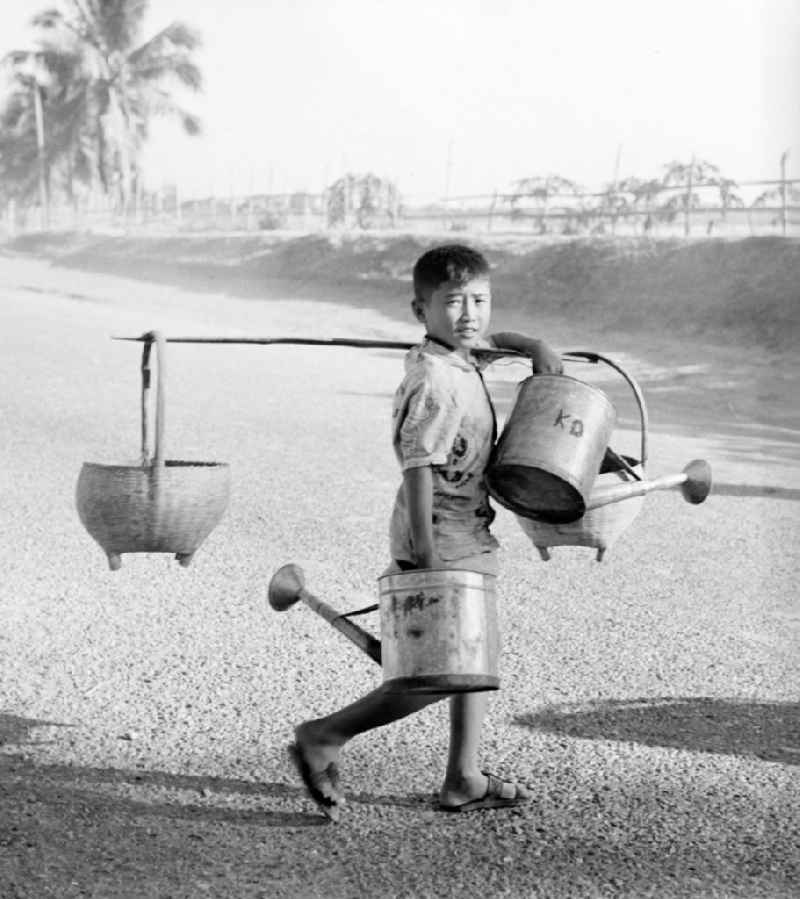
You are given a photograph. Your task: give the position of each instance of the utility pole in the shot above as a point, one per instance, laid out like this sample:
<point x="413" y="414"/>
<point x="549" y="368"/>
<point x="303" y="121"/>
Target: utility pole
<point x="784" y="156"/>
<point x="250" y="205"/>
<point x="491" y="210"/>
<point x="448" y="170"/>
<point x="447" y="174"/>
<point x="687" y="204"/>
<point x="614" y="189"/>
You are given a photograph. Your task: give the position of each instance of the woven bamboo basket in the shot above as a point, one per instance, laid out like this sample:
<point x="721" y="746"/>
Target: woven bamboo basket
<point x="599" y="528"/>
<point x="160" y="505"/>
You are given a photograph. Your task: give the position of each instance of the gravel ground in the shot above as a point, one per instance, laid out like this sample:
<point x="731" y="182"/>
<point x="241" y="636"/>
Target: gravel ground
<point x="651" y="701"/>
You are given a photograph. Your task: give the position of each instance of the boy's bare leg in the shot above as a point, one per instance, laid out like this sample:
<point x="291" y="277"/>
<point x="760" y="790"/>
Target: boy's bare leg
<point x="463" y="779"/>
<point x="321" y="739"/>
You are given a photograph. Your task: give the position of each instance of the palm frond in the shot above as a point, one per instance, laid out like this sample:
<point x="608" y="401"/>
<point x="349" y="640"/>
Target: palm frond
<point x="174" y="66"/>
<point x="159" y="102"/>
<point x="48" y="18"/>
<point x="179" y="34"/>
<point x="15" y="58"/>
<point x="119" y="22"/>
<point x="169" y="52"/>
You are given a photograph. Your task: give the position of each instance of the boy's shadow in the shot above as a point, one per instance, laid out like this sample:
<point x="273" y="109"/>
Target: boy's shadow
<point x="112" y="791"/>
<point x="764" y="730"/>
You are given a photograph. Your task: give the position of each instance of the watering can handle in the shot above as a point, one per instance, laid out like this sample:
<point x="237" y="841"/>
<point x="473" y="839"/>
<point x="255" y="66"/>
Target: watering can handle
<point x="157" y="458"/>
<point x="597" y="357"/>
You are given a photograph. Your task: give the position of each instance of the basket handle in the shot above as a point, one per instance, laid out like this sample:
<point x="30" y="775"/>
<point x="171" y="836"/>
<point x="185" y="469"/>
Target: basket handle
<point x="157" y="458"/>
<point x="643" y="418"/>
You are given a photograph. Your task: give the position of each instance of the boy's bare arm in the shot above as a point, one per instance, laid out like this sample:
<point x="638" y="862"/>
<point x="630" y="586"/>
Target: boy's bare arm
<point x="544" y="358"/>
<point x="418" y="484"/>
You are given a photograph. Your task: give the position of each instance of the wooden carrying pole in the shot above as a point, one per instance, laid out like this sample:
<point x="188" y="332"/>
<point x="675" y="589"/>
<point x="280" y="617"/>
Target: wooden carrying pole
<point x="360" y="342"/>
<point x="304" y="341"/>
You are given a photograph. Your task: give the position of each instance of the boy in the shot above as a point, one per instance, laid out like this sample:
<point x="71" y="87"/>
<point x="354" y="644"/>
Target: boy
<point x="444" y="429"/>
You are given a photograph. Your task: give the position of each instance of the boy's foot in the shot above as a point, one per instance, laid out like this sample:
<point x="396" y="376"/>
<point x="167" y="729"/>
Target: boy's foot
<point x="496" y="793"/>
<point x="316" y="764"/>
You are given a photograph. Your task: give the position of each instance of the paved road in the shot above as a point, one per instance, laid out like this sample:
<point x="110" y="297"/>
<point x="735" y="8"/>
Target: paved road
<point x="650" y="700"/>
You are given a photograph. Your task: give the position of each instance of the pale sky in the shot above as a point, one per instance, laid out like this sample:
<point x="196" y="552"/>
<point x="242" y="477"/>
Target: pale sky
<point x="469" y="95"/>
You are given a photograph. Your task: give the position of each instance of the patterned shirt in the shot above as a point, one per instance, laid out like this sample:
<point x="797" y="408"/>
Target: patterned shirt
<point x="443" y="418"/>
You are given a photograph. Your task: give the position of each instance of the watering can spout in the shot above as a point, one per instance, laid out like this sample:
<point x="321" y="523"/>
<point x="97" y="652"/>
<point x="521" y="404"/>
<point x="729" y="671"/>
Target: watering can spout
<point x="694" y="481"/>
<point x="287" y="587"/>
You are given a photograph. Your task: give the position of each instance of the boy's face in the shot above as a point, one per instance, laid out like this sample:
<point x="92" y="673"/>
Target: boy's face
<point x="457" y="313"/>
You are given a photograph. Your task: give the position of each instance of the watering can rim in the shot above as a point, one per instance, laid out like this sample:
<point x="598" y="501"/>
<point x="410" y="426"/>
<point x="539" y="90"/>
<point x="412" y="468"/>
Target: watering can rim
<point x="418" y="571"/>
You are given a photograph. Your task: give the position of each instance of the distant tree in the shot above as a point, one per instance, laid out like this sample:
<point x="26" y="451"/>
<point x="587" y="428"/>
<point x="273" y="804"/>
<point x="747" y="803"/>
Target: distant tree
<point x="728" y="197"/>
<point x="691" y="175"/>
<point x="698" y="171"/>
<point x="640" y="194"/>
<point x="23" y="170"/>
<point x="541" y="190"/>
<point x="643" y="190"/>
<point x="774" y="196"/>
<point x="614" y="203"/>
<point x="364" y="200"/>
<point x="51" y="80"/>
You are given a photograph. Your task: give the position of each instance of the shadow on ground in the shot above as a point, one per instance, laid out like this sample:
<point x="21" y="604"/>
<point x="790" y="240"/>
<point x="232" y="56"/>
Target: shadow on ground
<point x="765" y="730"/>
<point x="72" y="831"/>
<point x="791" y="493"/>
<point x="98" y="789"/>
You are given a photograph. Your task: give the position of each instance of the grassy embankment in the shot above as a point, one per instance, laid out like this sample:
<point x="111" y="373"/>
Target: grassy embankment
<point x="730" y="292"/>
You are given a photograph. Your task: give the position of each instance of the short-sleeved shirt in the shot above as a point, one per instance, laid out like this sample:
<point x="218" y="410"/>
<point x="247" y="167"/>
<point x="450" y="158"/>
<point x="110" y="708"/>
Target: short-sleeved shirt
<point x="443" y="417"/>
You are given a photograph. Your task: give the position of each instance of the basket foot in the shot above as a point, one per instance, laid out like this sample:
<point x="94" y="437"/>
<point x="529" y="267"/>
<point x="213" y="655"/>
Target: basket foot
<point x="114" y="561"/>
<point x="185" y="559"/>
<point x="544" y="552"/>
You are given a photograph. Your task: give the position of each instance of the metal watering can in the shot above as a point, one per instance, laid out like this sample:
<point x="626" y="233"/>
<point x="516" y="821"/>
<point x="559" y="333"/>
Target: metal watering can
<point x="552" y="465"/>
<point x="439" y="632"/>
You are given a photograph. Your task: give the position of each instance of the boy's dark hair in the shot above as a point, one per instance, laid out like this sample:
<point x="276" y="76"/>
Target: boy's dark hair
<point x="450" y="262"/>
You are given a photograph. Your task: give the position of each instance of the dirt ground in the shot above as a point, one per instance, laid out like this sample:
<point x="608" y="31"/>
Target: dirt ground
<point x="650" y="700"/>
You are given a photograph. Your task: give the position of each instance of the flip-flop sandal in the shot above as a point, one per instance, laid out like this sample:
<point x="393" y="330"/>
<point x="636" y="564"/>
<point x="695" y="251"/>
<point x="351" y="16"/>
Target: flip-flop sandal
<point x="313" y="780"/>
<point x="492" y="798"/>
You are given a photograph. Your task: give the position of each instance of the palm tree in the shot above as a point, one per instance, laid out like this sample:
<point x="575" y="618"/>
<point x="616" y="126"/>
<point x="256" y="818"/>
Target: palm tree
<point x="728" y="197"/>
<point x="22" y="130"/>
<point x="613" y="203"/>
<point x="541" y="190"/>
<point x="775" y="199"/>
<point x="697" y="173"/>
<point x="110" y="83"/>
<point x="44" y="102"/>
<point x="642" y="193"/>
